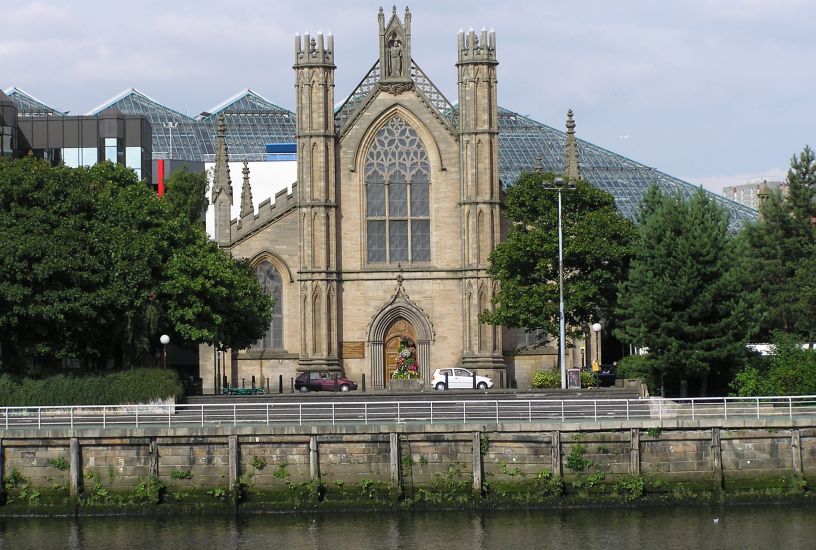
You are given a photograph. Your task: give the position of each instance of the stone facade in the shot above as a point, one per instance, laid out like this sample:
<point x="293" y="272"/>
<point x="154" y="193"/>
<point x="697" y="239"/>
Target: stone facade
<point x="357" y="276"/>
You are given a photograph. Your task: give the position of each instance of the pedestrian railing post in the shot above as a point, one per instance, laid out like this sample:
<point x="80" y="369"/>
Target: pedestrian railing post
<point x="562" y="411"/>
<point x="431" y="412"/>
<point x="202" y="415"/>
<point x="300" y="414"/>
<point x="72" y="418"/>
<point x="234" y="414"/>
<point x="333" y="405"/>
<point x="595" y="406"/>
<point x="790" y="408"/>
<point x="104" y="421"/>
<point x="137" y="417"/>
<point x="692" y="409"/>
<point x="725" y="408"/>
<point x="267" y="413"/>
<point x="497" y="412"/>
<point x="530" y="411"/>
<point x="757" y="399"/>
<point x="39" y="418"/>
<point x="627" y="409"/>
<point x="365" y="413"/>
<point x="399" y="414"/>
<point x="660" y="409"/>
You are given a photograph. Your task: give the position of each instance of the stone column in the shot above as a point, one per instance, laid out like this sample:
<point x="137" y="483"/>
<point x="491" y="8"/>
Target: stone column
<point x="233" y="460"/>
<point x="75" y="474"/>
<point x="477" y="462"/>
<point x="314" y="459"/>
<point x="154" y="457"/>
<point x="555" y="438"/>
<point x="634" y="452"/>
<point x="716" y="458"/>
<point x="394" y="460"/>
<point x="796" y="450"/>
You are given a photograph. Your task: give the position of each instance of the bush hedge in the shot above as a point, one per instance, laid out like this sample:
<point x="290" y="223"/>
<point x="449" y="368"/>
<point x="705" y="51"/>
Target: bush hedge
<point x="552" y="379"/>
<point x="114" y="388"/>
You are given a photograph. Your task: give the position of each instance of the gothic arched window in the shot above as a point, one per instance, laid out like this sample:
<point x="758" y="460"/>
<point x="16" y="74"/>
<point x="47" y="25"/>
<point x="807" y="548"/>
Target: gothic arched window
<point x="397" y="178"/>
<point x="272" y="284"/>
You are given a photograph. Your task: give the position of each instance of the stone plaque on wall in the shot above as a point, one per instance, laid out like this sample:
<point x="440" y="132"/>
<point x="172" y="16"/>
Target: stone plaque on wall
<point x="353" y="350"/>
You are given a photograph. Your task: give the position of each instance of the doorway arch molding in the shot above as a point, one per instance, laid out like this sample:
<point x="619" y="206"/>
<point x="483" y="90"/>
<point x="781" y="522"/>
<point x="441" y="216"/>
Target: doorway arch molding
<point x="400" y="306"/>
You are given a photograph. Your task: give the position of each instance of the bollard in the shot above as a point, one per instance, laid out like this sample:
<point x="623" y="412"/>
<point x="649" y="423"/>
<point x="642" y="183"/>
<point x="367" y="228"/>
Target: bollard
<point x="253" y="383"/>
<point x="226" y="384"/>
<point x="267" y="384"/>
<point x="280" y="383"/>
<point x="292" y="380"/>
<point x="474" y="380"/>
<point x="362" y="383"/>
<point x="446" y="380"/>
<point x="243" y="383"/>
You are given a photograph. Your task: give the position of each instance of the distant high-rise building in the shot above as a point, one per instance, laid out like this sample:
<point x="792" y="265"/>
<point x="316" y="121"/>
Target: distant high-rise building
<point x="748" y="192"/>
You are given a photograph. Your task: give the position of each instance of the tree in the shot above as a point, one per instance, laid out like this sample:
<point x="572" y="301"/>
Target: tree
<point x="596" y="240"/>
<point x="790" y="370"/>
<point x="683" y="297"/>
<point x="780" y="247"/>
<point x="88" y="260"/>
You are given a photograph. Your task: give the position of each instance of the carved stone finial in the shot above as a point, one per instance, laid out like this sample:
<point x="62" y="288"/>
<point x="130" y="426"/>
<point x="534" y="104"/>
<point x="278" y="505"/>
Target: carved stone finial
<point x="572" y="168"/>
<point x="246" y="193"/>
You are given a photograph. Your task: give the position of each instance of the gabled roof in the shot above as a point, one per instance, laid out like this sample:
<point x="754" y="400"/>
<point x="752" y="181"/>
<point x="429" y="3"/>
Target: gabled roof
<point x="252" y="122"/>
<point x="357" y="98"/>
<point x="245" y="101"/>
<point x="135" y="102"/>
<point x="28" y="105"/>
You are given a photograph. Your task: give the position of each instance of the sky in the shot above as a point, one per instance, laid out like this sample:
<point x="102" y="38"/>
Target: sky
<point x="712" y="91"/>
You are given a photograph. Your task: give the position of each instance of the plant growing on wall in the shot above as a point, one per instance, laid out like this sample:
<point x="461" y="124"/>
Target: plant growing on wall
<point x="407" y="366"/>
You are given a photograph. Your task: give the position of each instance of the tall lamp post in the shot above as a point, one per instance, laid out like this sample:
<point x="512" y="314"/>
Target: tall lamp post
<point x="596" y="328"/>
<point x="171" y="126"/>
<point x="164" y="339"/>
<point x="559" y="184"/>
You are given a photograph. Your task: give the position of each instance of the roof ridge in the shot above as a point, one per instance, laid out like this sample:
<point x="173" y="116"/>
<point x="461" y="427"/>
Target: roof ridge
<point x="125" y="93"/>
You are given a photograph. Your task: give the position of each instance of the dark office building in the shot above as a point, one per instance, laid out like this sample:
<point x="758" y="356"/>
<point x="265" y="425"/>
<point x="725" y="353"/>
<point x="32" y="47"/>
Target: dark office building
<point x="77" y="140"/>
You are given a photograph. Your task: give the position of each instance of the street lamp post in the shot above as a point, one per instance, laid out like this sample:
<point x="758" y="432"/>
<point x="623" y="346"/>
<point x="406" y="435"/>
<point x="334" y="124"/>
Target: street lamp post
<point x="596" y="364"/>
<point x="171" y="126"/>
<point x="558" y="184"/>
<point x="164" y="339"/>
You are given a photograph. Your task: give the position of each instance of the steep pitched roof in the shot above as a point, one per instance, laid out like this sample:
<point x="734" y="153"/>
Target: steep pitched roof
<point x="28" y="105"/>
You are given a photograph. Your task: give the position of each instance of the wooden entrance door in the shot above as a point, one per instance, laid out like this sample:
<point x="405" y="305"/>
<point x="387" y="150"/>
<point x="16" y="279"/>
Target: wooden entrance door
<point x="398" y="330"/>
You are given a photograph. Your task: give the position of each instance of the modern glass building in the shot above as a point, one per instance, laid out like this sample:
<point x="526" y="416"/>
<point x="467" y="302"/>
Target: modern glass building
<point x="37" y="128"/>
<point x="254" y="124"/>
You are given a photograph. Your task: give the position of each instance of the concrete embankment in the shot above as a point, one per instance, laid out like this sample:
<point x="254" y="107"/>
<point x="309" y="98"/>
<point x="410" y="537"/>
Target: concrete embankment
<point x="281" y="468"/>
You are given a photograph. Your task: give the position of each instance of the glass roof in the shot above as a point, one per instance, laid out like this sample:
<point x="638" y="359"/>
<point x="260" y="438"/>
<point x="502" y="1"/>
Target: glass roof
<point x="28" y="105"/>
<point x="252" y="122"/>
<point x="186" y="133"/>
<point x="522" y="140"/>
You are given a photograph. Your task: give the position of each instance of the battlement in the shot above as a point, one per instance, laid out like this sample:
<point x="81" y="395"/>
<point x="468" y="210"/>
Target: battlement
<point x="267" y="212"/>
<point x="477" y="48"/>
<point x="311" y="50"/>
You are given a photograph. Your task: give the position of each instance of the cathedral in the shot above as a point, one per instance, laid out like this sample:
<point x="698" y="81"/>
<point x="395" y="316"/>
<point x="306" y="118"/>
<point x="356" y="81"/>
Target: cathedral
<point x="387" y="232"/>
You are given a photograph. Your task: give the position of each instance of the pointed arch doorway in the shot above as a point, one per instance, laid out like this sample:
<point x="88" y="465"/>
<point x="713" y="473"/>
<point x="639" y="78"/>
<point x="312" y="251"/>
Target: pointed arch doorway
<point x="400" y="328"/>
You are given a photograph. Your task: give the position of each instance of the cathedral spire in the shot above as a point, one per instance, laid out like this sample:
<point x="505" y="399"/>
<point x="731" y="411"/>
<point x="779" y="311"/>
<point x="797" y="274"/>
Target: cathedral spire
<point x="221" y="186"/>
<point x="572" y="168"/>
<point x="246" y="193"/>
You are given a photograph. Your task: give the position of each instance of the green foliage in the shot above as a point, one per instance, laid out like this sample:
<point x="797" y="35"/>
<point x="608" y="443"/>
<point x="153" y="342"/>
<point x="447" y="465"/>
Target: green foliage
<point x="258" y="462"/>
<point x="219" y="493"/>
<point x="181" y="474"/>
<point x="549" y="485"/>
<point x="588" y="380"/>
<point x="781" y="248"/>
<point x="281" y="472"/>
<point x="683" y="298"/>
<point x="630" y="488"/>
<point x="94" y="266"/>
<point x="791" y="370"/>
<point x="596" y="253"/>
<point x="60" y="463"/>
<point x="17" y="488"/>
<point x="131" y="386"/>
<point x="484" y="444"/>
<point x="148" y="491"/>
<point x="187" y="194"/>
<point x="576" y="461"/>
<point x="546" y="379"/>
<point x="447" y="488"/>
<point x="654" y="432"/>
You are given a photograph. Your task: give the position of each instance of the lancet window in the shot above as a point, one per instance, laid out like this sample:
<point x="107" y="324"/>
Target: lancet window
<point x="397" y="179"/>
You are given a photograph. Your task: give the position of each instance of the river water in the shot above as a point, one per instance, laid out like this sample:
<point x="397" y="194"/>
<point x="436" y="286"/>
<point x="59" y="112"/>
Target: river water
<point x="776" y="527"/>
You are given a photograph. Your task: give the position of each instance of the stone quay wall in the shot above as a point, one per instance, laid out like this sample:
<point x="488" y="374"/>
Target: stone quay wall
<point x="712" y="455"/>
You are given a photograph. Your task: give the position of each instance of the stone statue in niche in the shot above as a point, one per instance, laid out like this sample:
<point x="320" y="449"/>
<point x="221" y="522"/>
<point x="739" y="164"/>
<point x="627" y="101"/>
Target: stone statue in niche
<point x="395" y="57"/>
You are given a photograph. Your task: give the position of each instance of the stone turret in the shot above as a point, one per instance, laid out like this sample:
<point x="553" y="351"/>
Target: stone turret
<point x="572" y="166"/>
<point x="317" y="203"/>
<point x="221" y="186"/>
<point x="480" y="200"/>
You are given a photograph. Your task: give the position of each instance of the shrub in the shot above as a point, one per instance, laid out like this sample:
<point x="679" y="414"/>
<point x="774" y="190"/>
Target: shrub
<point x="546" y="379"/>
<point x="114" y="388"/>
<point x="791" y="370"/>
<point x="638" y="367"/>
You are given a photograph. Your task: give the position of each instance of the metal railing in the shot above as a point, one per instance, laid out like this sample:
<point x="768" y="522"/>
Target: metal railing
<point x="402" y="412"/>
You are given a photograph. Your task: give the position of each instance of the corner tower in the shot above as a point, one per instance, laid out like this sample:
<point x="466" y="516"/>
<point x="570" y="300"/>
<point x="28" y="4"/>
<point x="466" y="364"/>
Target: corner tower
<point x="317" y="205"/>
<point x="479" y="163"/>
